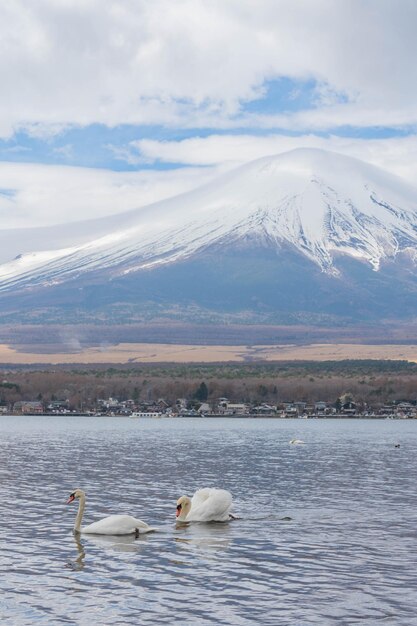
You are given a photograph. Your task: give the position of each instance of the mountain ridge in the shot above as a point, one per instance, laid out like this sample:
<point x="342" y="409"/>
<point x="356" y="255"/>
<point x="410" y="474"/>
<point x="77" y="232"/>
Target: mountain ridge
<point x="315" y="215"/>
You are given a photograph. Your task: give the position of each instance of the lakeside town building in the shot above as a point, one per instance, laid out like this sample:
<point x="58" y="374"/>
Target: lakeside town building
<point x="220" y="408"/>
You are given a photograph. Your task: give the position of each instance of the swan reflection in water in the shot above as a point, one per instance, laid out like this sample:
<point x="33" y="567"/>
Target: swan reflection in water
<point x="78" y="563"/>
<point x="118" y="543"/>
<point x="122" y="543"/>
<point x="209" y="536"/>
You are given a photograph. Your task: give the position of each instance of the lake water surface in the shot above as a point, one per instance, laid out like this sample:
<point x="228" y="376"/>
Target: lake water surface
<point x="327" y="530"/>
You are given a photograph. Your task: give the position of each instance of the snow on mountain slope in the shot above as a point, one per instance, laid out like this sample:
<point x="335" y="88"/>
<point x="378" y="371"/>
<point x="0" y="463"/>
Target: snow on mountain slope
<point x="321" y="203"/>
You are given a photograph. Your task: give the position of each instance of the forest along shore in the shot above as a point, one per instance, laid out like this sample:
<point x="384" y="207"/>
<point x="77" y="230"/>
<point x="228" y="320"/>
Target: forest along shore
<point x="352" y="388"/>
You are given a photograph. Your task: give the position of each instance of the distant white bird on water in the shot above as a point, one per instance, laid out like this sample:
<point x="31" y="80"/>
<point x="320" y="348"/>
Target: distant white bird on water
<point x="297" y="442"/>
<point x="112" y="525"/>
<point x="206" y="505"/>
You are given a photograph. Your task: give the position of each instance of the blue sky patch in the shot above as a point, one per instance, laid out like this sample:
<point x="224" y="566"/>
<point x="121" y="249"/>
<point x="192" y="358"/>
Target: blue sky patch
<point x="283" y="95"/>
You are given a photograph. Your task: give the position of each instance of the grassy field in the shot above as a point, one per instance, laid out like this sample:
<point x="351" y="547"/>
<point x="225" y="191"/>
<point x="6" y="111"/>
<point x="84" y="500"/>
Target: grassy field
<point x="158" y="353"/>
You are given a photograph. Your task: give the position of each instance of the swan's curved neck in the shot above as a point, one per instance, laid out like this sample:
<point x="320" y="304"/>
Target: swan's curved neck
<point x="185" y="509"/>
<point x="78" y="519"/>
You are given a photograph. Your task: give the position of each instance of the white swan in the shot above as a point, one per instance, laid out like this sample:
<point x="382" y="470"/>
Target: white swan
<point x="297" y="442"/>
<point x="207" y="505"/>
<point x="112" y="525"/>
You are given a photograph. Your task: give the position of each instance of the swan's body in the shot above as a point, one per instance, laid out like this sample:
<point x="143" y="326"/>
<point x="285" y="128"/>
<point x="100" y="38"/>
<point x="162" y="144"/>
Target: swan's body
<point x="206" y="505"/>
<point x="117" y="525"/>
<point x="112" y="525"/>
<point x="297" y="442"/>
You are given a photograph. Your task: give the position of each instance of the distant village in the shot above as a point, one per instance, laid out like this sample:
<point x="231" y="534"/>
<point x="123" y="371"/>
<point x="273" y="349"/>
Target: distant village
<point x="344" y="407"/>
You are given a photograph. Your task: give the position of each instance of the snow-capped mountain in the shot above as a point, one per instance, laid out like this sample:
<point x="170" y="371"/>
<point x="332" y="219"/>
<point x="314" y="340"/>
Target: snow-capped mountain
<point x="322" y="207"/>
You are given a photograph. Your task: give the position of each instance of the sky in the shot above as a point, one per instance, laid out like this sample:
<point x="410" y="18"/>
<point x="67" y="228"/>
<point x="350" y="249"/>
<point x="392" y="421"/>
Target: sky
<point x="109" y="105"/>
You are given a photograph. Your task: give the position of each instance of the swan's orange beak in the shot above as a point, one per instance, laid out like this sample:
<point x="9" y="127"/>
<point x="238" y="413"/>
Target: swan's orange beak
<point x="178" y="511"/>
<point x="71" y="499"/>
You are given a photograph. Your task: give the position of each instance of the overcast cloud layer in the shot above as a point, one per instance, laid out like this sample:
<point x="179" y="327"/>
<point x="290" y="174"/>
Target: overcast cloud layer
<point x="195" y="83"/>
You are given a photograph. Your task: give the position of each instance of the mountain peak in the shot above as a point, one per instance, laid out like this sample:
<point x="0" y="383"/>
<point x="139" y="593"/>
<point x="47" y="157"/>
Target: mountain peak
<point x="321" y="204"/>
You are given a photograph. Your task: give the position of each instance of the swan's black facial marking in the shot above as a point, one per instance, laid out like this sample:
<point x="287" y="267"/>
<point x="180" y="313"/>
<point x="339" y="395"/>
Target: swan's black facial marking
<point x="179" y="507"/>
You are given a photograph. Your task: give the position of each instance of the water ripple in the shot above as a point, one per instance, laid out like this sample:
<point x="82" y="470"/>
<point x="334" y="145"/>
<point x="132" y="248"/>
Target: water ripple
<point x="326" y="532"/>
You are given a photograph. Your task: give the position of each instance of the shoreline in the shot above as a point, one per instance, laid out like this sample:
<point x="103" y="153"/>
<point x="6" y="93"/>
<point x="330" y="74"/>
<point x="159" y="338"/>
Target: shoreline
<point x="215" y="416"/>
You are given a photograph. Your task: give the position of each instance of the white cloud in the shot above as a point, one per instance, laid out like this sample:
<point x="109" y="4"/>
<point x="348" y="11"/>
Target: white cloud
<point x="397" y="155"/>
<point x="193" y="62"/>
<point x="39" y="195"/>
<point x="66" y="151"/>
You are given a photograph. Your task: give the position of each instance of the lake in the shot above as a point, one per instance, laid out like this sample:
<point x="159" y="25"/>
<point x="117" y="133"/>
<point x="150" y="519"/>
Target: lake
<point x="327" y="530"/>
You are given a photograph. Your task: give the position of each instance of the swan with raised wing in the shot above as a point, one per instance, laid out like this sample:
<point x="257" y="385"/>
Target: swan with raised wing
<point x="112" y="525"/>
<point x="206" y="505"/>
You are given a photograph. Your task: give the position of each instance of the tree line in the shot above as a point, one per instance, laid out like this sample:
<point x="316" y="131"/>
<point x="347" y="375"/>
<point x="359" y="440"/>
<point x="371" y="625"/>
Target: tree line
<point x="371" y="382"/>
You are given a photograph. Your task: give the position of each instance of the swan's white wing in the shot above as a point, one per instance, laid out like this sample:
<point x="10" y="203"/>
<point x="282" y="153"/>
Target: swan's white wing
<point x="201" y="496"/>
<point x="117" y="525"/>
<point x="210" y="505"/>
